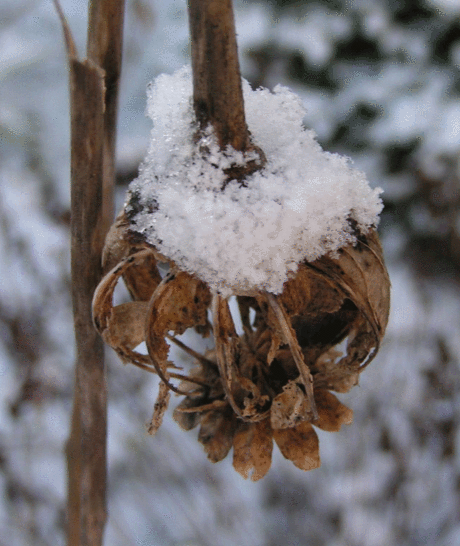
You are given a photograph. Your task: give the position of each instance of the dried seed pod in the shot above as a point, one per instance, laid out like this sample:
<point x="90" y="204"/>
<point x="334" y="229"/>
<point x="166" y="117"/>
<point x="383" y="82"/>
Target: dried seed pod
<point x="273" y="382"/>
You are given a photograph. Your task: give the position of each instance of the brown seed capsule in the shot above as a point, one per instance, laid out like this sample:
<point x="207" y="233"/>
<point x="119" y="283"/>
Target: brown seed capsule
<point x="272" y="382"/>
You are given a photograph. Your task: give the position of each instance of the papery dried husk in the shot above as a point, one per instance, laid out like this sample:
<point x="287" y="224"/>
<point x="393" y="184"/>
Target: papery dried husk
<point x="121" y="326"/>
<point x="299" y="444"/>
<point x="332" y="413"/>
<point x="216" y="433"/>
<point x="179" y="302"/>
<point x="359" y="273"/>
<point x="252" y="449"/>
<point x="271" y="382"/>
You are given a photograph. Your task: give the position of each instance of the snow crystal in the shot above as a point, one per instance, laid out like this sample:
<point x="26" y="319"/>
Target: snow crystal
<point x="239" y="239"/>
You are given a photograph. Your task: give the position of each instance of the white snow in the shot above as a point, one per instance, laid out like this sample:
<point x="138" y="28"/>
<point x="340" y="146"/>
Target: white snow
<point x="241" y="239"/>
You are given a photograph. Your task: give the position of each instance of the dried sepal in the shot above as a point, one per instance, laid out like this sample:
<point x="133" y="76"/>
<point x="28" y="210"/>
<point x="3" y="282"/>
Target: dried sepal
<point x="332" y="414"/>
<point x="159" y="409"/>
<point x="179" y="302"/>
<point x="216" y="433"/>
<point x="299" y="444"/>
<point x="252" y="449"/>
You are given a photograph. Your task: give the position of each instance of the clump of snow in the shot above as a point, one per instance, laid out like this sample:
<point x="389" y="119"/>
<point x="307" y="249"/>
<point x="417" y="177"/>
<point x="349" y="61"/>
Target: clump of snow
<point x="240" y="239"/>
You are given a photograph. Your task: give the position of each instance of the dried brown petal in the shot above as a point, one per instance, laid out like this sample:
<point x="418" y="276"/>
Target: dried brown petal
<point x="361" y="274"/>
<point x="252" y="449"/>
<point x="332" y="413"/>
<point x="111" y="321"/>
<point x="216" y="433"/>
<point x="179" y="302"/>
<point x="300" y="445"/>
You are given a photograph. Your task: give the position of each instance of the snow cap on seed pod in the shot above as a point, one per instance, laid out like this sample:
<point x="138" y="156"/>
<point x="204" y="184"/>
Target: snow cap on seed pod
<point x="243" y="237"/>
<point x="294" y="241"/>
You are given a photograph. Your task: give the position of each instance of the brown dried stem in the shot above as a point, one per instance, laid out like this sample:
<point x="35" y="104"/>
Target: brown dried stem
<point x="93" y="98"/>
<point x="217" y="90"/>
<point x="104" y="47"/>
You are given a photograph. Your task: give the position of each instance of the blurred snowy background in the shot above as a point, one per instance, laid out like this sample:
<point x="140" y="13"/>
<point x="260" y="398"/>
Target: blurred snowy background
<point x="381" y="83"/>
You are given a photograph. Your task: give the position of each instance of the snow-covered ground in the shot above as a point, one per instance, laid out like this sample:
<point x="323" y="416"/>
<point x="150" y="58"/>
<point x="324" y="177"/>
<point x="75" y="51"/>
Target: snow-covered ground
<point x="380" y="83"/>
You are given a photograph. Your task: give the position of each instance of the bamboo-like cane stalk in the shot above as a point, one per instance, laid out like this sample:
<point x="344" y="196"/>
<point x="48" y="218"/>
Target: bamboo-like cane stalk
<point x="93" y="104"/>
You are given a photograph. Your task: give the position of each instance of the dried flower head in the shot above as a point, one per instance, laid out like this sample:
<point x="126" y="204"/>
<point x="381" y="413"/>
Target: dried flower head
<point x="274" y="381"/>
<point x="285" y="228"/>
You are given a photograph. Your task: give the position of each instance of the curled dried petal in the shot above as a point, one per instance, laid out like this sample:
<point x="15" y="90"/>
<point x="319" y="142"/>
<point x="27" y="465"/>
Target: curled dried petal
<point x="179" y="302"/>
<point x="142" y="278"/>
<point x="126" y="325"/>
<point x="226" y="342"/>
<point x="287" y="333"/>
<point x="103" y="295"/>
<point x="117" y="324"/>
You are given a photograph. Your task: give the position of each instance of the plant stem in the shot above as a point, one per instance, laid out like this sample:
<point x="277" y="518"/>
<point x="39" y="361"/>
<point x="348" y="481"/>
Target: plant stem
<point x="217" y="91"/>
<point x="104" y="47"/>
<point x="93" y="103"/>
<point x="86" y="447"/>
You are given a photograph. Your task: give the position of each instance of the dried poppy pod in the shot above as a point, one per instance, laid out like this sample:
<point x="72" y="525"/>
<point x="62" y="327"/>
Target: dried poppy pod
<point x="274" y="380"/>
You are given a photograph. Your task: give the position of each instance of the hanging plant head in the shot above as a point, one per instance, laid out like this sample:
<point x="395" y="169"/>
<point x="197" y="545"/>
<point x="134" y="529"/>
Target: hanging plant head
<point x="273" y="220"/>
